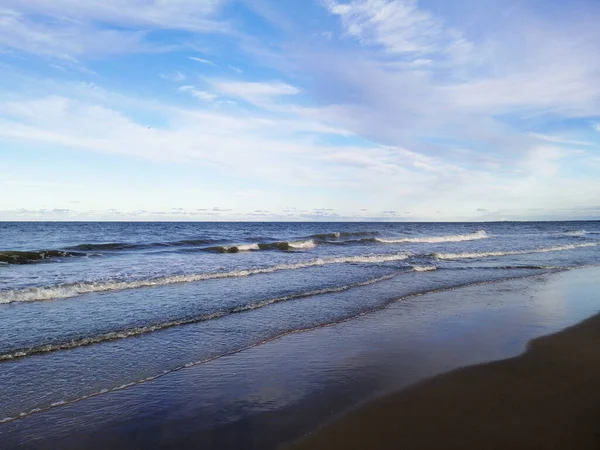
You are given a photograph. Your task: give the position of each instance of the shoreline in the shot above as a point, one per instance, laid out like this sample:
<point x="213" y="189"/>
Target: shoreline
<point x="277" y="392"/>
<point x="545" y="398"/>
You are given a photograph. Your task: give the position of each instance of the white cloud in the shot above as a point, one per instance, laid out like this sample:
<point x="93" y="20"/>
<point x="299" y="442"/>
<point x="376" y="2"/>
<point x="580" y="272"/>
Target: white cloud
<point x="563" y="141"/>
<point x="70" y="29"/>
<point x="398" y="26"/>
<point x="176" y="77"/>
<point x="64" y="39"/>
<point x="275" y="149"/>
<point x="421" y="84"/>
<point x="197" y="15"/>
<point x="199" y="94"/>
<point x="253" y="92"/>
<point x="203" y="61"/>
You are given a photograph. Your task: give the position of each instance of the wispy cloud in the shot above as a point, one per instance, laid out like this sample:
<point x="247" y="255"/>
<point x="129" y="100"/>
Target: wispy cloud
<point x="70" y="30"/>
<point x="203" y="61"/>
<point x="177" y="77"/>
<point x="254" y="92"/>
<point x="397" y="26"/>
<point x="198" y="93"/>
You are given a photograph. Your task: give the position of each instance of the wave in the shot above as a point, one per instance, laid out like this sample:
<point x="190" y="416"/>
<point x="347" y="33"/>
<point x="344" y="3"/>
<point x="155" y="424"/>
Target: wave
<point x="481" y="234"/>
<point x="232" y="248"/>
<point x="512" y="252"/>
<point x="284" y="245"/>
<point x="84" y="287"/>
<point x="281" y="245"/>
<point x="338" y="238"/>
<point x="137" y="331"/>
<point x="308" y="243"/>
<point x="134" y="246"/>
<point x="29" y="257"/>
<point x="106" y="246"/>
<point x="424" y="268"/>
<point x="343" y="234"/>
<point x="578" y="233"/>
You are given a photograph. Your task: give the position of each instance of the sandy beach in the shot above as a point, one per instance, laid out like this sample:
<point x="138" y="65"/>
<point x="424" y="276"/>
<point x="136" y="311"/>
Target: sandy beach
<point x="547" y="398"/>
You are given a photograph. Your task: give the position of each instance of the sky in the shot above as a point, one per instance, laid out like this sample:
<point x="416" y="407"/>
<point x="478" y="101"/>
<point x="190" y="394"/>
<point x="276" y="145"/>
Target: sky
<point x="337" y="110"/>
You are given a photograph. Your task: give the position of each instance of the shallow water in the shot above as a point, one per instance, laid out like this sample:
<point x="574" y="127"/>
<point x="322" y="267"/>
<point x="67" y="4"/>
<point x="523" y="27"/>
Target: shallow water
<point x="275" y="392"/>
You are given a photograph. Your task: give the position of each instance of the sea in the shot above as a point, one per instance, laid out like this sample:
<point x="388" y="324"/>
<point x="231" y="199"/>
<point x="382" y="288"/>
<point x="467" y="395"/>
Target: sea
<point x="87" y="309"/>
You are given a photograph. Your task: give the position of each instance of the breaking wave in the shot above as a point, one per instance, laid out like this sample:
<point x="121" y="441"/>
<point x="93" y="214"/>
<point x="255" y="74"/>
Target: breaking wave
<point x="424" y="268"/>
<point x="284" y="245"/>
<point x="512" y="252"/>
<point x="84" y="287"/>
<point x="338" y="238"/>
<point x="308" y="242"/>
<point x="578" y="233"/>
<point x="343" y="234"/>
<point x="481" y="234"/>
<point x="232" y="248"/>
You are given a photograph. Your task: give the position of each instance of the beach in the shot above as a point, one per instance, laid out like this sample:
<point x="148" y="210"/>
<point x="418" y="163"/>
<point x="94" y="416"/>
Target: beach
<point x="547" y="398"/>
<point x="341" y="385"/>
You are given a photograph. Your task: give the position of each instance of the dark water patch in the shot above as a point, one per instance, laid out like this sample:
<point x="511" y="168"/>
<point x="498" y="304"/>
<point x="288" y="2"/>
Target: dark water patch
<point x="343" y="235"/>
<point x="30" y="257"/>
<point x="133" y="246"/>
<point x="106" y="246"/>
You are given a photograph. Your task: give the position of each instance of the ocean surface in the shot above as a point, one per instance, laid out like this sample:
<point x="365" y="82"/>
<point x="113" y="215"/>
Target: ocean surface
<point x="92" y="308"/>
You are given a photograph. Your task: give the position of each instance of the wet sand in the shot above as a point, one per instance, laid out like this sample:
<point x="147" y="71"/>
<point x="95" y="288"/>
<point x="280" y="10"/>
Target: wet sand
<point x="547" y="398"/>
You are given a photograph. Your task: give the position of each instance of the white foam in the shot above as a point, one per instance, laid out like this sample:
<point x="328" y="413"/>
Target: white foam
<point x="481" y="234"/>
<point x="299" y="245"/>
<point x="244" y="247"/>
<point x="512" y="252"/>
<point x="84" y="287"/>
<point x="578" y="233"/>
<point x="424" y="268"/>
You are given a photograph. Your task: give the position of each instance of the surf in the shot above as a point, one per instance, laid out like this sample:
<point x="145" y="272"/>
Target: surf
<point x="85" y="287"/>
<point x="472" y="255"/>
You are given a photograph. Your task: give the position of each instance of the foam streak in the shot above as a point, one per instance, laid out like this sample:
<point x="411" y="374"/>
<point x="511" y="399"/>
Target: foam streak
<point x="84" y="287"/>
<point x="513" y="252"/>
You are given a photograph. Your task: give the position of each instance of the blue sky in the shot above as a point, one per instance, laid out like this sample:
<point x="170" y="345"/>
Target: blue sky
<point x="299" y="110"/>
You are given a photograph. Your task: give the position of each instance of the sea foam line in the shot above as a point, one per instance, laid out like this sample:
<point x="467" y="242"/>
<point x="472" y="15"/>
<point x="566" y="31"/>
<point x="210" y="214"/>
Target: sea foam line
<point x="424" y="268"/>
<point x="84" y="287"/>
<point x="578" y="233"/>
<point x="481" y="234"/>
<point x="512" y="252"/>
<point x="137" y="331"/>
<point x="280" y="245"/>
